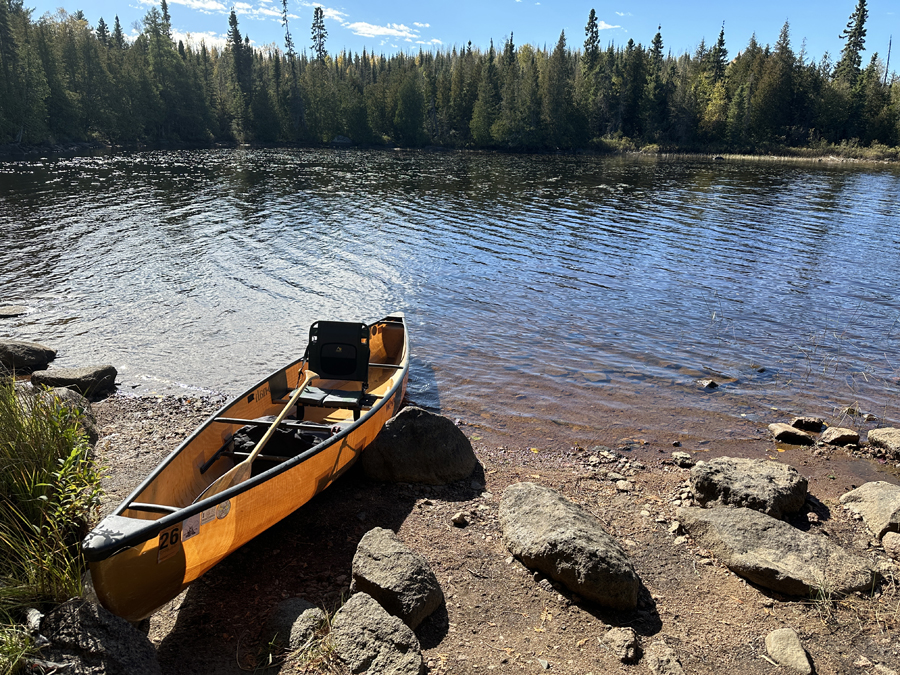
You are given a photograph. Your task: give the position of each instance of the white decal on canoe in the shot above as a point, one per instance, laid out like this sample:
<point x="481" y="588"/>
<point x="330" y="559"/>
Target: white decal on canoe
<point x="169" y="543"/>
<point x="208" y="515"/>
<point x="190" y="528"/>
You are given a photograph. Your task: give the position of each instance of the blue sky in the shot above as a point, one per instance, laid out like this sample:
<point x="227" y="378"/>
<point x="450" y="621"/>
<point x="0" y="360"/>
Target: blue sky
<point x="387" y="27"/>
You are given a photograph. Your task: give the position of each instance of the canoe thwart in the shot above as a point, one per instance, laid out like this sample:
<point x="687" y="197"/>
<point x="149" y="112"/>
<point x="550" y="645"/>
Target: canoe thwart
<point x="154" y="508"/>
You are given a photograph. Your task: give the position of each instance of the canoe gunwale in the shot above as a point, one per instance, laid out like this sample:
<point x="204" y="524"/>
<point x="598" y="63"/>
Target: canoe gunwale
<point x="151" y="528"/>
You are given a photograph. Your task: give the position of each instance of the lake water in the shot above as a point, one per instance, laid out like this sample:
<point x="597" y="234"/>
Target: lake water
<point x="541" y="289"/>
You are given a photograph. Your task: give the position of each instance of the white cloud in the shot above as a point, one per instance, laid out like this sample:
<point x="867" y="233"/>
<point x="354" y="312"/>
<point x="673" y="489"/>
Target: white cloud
<point x="207" y="6"/>
<point x="396" y="30"/>
<point x="421" y="25"/>
<point x="624" y="14"/>
<point x="602" y="25"/>
<point x="193" y="40"/>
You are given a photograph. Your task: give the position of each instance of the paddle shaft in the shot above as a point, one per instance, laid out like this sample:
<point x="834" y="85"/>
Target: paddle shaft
<point x="241" y="472"/>
<point x="307" y="376"/>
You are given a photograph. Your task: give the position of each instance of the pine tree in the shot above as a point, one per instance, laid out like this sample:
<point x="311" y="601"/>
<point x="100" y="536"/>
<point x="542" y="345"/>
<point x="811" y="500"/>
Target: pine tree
<point x="847" y="68"/>
<point x="102" y="32"/>
<point x="166" y="18"/>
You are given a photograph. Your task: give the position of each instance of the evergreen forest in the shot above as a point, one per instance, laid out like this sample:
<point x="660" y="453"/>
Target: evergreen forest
<point x="63" y="80"/>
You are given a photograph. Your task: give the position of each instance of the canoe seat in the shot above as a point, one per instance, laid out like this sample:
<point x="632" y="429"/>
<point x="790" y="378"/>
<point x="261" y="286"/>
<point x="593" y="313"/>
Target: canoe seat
<point x="338" y="350"/>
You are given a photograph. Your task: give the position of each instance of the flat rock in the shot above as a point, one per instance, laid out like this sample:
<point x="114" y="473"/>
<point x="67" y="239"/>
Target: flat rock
<point x="839" y="436"/>
<point x="96" y="642"/>
<point x="416" y="446"/>
<point x="398" y="579"/>
<point x="369" y="640"/>
<point x="550" y="534"/>
<point x="12" y="311"/>
<point x="294" y="623"/>
<point x="682" y="459"/>
<point x="788" y="434"/>
<point x="773" y="554"/>
<point x="25" y="356"/>
<point x="807" y="423"/>
<point x="887" y="438"/>
<point x="785" y="649"/>
<point x="773" y="488"/>
<point x="878" y="503"/>
<point x="86" y="381"/>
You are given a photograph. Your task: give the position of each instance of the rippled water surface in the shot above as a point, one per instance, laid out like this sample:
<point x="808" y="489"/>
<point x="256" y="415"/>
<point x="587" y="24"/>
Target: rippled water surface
<point x="536" y="287"/>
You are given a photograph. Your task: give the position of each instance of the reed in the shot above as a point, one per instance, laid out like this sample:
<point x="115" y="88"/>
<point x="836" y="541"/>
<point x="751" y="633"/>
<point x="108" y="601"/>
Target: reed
<point x="49" y="490"/>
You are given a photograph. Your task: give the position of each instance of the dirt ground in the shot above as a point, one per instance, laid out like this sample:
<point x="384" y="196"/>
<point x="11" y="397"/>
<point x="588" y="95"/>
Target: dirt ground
<point x="498" y="617"/>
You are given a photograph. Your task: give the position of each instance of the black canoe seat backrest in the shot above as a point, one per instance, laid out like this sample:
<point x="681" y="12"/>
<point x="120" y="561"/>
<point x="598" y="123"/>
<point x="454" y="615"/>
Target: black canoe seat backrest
<point x="339" y="350"/>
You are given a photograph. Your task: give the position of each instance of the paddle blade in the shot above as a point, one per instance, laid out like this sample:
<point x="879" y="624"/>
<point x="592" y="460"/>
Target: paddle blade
<point x="234" y="476"/>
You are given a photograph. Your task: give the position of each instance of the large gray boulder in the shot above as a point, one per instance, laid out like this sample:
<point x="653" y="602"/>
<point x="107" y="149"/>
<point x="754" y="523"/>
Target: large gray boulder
<point x="369" y="640"/>
<point x="67" y="399"/>
<point x="294" y="623"/>
<point x="86" y="381"/>
<point x="550" y="534"/>
<point x="879" y="505"/>
<point x="773" y="554"/>
<point x="25" y="356"/>
<point x="94" y="641"/>
<point x="887" y="438"/>
<point x="416" y="446"/>
<point x="770" y="487"/>
<point x="398" y="579"/>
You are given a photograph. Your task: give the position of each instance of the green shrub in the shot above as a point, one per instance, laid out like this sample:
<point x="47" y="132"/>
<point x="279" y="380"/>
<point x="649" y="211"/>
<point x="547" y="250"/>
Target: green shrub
<point x="49" y="490"/>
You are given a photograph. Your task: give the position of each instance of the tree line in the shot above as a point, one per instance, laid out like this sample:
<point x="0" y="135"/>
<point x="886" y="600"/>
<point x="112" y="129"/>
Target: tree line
<point x="64" y="80"/>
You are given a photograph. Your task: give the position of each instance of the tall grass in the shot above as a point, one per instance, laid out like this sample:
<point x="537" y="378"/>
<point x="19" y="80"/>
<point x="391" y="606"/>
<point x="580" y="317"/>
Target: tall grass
<point x="49" y="489"/>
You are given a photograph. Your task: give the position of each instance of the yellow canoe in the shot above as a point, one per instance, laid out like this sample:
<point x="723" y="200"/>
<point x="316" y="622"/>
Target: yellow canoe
<point x="167" y="532"/>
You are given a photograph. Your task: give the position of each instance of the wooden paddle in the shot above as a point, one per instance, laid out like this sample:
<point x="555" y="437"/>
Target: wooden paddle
<point x="241" y="472"/>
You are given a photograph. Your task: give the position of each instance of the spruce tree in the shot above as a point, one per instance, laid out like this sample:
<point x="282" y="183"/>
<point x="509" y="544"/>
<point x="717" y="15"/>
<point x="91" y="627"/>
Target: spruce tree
<point x="319" y="33"/>
<point x="591" y="55"/>
<point x="847" y="68"/>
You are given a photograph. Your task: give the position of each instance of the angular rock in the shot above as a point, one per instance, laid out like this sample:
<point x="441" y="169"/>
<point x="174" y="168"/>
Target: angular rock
<point x="623" y="643"/>
<point x="891" y="543"/>
<point x="550" y="534"/>
<point x="25" y="356"/>
<point x="86" y="381"/>
<point x="839" y="436"/>
<point x="814" y="424"/>
<point x="773" y="488"/>
<point x="878" y="503"/>
<point x="662" y="660"/>
<point x="96" y="641"/>
<point x="785" y="649"/>
<point x="775" y="555"/>
<point x="788" y="434"/>
<point x="398" y="579"/>
<point x="11" y="311"/>
<point x="887" y="438"/>
<point x="369" y="640"/>
<point x="416" y="446"/>
<point x="683" y="459"/>
<point x="294" y="623"/>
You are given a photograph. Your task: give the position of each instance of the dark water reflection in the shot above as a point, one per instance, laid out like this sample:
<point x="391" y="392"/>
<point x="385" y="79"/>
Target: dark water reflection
<point x="536" y="285"/>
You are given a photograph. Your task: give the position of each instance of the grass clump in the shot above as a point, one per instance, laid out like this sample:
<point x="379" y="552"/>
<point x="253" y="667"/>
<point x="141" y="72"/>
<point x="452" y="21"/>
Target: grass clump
<point x="49" y="490"/>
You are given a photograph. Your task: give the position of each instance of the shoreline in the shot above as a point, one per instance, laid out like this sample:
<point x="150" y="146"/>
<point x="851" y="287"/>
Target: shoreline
<point x="493" y="606"/>
<point x="831" y="155"/>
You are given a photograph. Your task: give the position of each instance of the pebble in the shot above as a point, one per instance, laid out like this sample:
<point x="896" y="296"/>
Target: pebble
<point x="459" y="519"/>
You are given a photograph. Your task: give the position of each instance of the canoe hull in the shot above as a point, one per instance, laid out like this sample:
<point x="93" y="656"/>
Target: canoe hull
<point x="136" y="581"/>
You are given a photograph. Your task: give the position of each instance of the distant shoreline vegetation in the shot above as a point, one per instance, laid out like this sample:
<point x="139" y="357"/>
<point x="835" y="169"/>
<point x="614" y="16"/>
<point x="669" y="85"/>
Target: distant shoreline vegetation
<point x="64" y="82"/>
